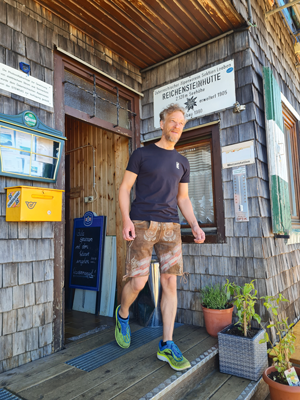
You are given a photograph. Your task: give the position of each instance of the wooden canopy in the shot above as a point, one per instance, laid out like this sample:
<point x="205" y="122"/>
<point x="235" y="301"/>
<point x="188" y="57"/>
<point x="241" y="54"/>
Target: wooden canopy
<point x="145" y="32"/>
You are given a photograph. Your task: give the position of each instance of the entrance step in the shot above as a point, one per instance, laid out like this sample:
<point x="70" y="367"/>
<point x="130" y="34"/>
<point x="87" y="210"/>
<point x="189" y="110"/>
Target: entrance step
<point x="203" y="381"/>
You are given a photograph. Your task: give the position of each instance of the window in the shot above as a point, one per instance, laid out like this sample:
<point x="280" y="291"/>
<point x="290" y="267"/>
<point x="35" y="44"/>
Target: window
<point x="79" y="95"/>
<point x="202" y="148"/>
<point x="292" y="159"/>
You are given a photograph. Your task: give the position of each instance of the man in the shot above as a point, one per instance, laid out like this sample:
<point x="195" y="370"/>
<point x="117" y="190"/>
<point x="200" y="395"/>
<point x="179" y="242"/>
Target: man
<point x="162" y="176"/>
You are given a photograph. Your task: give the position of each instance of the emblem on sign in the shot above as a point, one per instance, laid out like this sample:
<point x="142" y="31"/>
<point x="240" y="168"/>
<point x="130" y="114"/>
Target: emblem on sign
<point x="30" y="119"/>
<point x="13" y="199"/>
<point x="30" y="204"/>
<point x="88" y="218"/>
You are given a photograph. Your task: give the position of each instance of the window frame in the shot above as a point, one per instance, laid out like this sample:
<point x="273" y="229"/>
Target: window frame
<point x="195" y="136"/>
<point x="292" y="125"/>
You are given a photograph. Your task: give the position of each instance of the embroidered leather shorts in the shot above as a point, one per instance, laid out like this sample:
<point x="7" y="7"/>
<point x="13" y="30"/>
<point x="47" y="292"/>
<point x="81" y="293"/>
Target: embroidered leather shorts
<point x="166" y="239"/>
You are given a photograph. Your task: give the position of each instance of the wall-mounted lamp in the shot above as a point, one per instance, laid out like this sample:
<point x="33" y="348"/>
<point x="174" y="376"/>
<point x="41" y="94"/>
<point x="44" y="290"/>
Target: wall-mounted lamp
<point x="238" y="107"/>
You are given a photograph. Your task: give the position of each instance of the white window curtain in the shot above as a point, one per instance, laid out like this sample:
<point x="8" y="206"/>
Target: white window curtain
<point x="200" y="186"/>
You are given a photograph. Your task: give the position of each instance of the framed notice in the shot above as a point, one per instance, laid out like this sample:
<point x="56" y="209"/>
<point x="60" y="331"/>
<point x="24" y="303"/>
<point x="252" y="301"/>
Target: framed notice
<point x="16" y="82"/>
<point x="28" y="148"/>
<point x="87" y="252"/>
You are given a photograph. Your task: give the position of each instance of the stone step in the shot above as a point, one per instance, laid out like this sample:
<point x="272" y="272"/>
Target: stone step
<point x="203" y="381"/>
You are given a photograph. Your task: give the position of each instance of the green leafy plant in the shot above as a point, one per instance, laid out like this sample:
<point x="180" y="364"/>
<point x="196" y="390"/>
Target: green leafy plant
<point x="285" y="337"/>
<point x="244" y="300"/>
<point x="215" y="297"/>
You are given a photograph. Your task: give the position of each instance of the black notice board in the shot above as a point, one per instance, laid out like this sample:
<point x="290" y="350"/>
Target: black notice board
<point x="87" y="252"/>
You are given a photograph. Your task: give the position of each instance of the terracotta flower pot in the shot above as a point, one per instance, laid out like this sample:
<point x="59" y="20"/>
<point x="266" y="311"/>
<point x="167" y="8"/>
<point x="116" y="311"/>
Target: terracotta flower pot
<point x="216" y="320"/>
<point x="279" y="391"/>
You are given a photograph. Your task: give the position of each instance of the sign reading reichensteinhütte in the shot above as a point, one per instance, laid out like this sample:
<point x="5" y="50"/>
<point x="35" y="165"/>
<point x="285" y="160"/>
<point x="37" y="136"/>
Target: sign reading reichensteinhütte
<point x="203" y="93"/>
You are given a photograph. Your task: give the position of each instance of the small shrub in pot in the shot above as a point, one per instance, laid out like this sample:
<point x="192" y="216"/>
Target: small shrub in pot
<point x="217" y="308"/>
<point x="274" y="376"/>
<point x="240" y="352"/>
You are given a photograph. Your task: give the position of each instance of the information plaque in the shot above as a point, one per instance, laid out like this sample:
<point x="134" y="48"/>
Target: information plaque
<point x="28" y="148"/>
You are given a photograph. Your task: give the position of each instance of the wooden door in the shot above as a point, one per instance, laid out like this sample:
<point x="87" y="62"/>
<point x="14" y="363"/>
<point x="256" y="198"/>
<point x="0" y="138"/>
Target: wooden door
<point x="111" y="157"/>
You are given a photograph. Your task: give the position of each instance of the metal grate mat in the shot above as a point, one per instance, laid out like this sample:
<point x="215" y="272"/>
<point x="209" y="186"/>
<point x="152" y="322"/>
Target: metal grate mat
<point x="6" y="395"/>
<point x="111" y="351"/>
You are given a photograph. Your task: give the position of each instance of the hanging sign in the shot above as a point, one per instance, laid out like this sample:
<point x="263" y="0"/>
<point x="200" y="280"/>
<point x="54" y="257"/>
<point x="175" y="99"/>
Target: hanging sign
<point x="200" y="94"/>
<point x="238" y="154"/>
<point x="21" y="84"/>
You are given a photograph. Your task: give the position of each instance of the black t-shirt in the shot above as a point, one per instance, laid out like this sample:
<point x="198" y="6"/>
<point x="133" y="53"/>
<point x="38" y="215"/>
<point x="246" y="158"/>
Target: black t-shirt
<point x="159" y="173"/>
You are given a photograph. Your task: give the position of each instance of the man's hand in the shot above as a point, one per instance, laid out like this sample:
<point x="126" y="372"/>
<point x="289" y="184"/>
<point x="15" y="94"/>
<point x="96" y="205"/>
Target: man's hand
<point x="198" y="234"/>
<point x="128" y="230"/>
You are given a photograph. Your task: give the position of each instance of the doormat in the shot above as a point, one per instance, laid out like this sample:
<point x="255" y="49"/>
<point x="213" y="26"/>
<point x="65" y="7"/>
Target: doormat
<point x="111" y="351"/>
<point x="6" y="395"/>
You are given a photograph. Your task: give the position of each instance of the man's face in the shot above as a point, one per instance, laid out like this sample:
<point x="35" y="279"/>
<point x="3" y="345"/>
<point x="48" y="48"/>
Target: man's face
<point x="172" y="126"/>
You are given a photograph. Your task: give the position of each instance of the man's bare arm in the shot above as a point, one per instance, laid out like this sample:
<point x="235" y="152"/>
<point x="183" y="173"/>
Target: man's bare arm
<point x="185" y="205"/>
<point x="124" y="201"/>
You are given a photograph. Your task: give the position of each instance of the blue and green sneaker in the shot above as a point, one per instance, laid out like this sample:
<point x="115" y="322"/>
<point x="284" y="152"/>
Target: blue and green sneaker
<point x="122" y="331"/>
<point x="171" y="354"/>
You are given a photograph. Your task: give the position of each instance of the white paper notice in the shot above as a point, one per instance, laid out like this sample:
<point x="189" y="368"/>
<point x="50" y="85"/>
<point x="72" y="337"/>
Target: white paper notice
<point x="238" y="154"/>
<point x="45" y="147"/>
<point x="23" y="141"/>
<point x="7" y="137"/>
<point x="11" y="162"/>
<point x="19" y="83"/>
<point x="36" y="168"/>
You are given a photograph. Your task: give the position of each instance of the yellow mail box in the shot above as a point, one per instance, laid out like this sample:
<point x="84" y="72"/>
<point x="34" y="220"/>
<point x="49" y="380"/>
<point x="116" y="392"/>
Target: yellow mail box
<point x="28" y="203"/>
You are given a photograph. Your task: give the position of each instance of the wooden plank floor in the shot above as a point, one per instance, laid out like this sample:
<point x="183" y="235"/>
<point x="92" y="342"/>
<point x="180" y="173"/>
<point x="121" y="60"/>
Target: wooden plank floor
<point x="128" y="377"/>
<point x="78" y="323"/>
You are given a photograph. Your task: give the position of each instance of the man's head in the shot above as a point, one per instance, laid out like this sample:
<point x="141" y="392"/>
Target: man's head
<point x="172" y="121"/>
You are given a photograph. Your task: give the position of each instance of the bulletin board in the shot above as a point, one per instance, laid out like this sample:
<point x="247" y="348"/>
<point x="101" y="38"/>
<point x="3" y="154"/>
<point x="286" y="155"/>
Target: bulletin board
<point x="28" y="148"/>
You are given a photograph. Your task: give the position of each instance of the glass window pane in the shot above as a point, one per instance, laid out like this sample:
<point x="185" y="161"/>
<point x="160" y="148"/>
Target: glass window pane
<point x="78" y="98"/>
<point x="200" y="186"/>
<point x="84" y="101"/>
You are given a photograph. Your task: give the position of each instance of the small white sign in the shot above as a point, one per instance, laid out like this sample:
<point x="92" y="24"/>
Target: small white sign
<point x="200" y="94"/>
<point x="17" y="82"/>
<point x="238" y="154"/>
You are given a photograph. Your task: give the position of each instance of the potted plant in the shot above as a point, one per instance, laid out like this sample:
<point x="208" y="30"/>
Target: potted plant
<point x="240" y="350"/>
<point x="274" y="376"/>
<point x="217" y="308"/>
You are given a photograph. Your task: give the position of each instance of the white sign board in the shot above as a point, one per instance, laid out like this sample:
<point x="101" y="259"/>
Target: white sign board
<point x="200" y="94"/>
<point x="17" y="82"/>
<point x="238" y="154"/>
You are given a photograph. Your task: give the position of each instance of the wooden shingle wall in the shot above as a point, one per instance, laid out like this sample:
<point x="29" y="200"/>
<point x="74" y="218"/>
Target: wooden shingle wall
<point x="250" y="251"/>
<point x="29" y="33"/>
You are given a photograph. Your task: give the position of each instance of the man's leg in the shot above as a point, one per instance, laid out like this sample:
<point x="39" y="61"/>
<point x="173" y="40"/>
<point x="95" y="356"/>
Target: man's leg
<point x="168" y="304"/>
<point x="169" y="253"/>
<point x="130" y="293"/>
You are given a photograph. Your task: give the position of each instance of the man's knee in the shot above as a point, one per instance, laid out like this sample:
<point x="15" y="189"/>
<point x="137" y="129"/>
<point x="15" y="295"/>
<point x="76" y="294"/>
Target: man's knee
<point x="168" y="282"/>
<point x="138" y="284"/>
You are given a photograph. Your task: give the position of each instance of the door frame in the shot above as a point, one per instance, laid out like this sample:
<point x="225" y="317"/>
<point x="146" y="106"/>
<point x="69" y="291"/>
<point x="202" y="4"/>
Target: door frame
<point x="62" y="62"/>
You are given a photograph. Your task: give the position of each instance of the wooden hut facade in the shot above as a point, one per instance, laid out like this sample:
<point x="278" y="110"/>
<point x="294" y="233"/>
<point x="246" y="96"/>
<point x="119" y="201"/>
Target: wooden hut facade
<point x="125" y="51"/>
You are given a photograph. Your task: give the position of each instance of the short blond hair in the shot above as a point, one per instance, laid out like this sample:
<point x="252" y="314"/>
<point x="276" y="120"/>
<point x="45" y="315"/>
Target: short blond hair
<point x="170" y="109"/>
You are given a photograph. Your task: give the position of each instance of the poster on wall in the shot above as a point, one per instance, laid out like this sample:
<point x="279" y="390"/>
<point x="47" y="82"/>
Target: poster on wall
<point x="200" y="94"/>
<point x="17" y="82"/>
